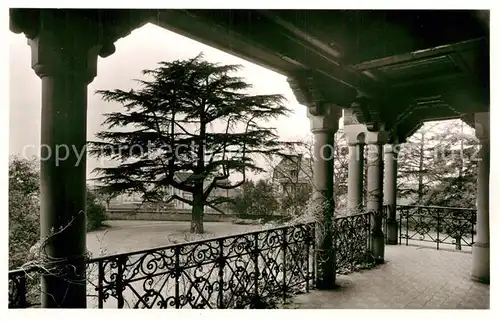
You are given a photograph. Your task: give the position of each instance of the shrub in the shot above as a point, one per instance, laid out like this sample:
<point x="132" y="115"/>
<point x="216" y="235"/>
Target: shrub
<point x="24" y="209"/>
<point x="96" y="211"/>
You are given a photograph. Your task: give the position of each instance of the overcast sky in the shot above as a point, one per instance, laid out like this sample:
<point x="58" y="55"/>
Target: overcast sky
<point x="142" y="49"/>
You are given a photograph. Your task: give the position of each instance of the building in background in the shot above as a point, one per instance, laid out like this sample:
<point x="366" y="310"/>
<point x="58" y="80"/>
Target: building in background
<point x="293" y="180"/>
<point x="292" y="174"/>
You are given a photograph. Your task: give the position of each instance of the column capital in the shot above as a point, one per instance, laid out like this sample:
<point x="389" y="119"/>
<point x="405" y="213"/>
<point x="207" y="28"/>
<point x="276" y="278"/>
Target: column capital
<point x="52" y="56"/>
<point x="67" y="42"/>
<point x="482" y="126"/>
<point x="324" y="117"/>
<point x="376" y="137"/>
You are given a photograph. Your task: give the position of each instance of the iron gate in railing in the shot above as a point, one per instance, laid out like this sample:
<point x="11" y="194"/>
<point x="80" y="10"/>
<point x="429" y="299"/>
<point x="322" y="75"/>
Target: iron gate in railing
<point x="253" y="270"/>
<point x="449" y="226"/>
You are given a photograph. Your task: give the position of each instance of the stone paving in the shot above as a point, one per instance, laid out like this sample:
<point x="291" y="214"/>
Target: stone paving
<point x="411" y="278"/>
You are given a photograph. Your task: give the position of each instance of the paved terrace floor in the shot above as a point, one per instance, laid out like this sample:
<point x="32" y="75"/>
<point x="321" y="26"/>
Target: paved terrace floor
<point x="412" y="278"/>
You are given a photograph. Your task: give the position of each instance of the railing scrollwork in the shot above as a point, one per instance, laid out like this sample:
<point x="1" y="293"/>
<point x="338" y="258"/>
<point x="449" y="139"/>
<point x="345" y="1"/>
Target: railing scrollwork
<point x="435" y="224"/>
<point x="250" y="270"/>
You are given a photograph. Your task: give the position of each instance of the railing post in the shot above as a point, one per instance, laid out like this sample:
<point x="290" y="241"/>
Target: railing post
<point x="22" y="291"/>
<point x="369" y="234"/>
<point x="221" y="274"/>
<point x="438" y="228"/>
<point x="407" y="223"/>
<point x="119" y="281"/>
<point x="177" y="275"/>
<point x="400" y="226"/>
<point x="256" y="265"/>
<point x="100" y="281"/>
<point x="472" y="223"/>
<point x="284" y="245"/>
<point x="307" y="256"/>
<point x="312" y="238"/>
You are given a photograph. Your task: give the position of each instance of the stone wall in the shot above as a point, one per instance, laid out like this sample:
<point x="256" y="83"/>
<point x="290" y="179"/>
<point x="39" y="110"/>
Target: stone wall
<point x="180" y="215"/>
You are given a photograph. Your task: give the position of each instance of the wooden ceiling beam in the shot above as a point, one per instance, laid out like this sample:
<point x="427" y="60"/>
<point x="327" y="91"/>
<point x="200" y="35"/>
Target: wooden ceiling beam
<point x="294" y="44"/>
<point x="419" y="54"/>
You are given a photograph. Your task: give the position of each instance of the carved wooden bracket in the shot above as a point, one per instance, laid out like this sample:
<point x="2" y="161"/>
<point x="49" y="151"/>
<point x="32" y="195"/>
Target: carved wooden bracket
<point x="305" y="90"/>
<point x="366" y="111"/>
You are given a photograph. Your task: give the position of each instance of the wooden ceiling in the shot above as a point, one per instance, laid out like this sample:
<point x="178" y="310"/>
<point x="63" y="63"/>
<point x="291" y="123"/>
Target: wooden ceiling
<point x="432" y="62"/>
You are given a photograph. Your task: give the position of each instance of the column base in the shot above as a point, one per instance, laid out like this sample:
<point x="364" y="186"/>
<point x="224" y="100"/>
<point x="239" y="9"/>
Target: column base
<point x="325" y="270"/>
<point x="327" y="282"/>
<point x="481" y="262"/>
<point x="378" y="248"/>
<point x="392" y="232"/>
<point x="326" y="285"/>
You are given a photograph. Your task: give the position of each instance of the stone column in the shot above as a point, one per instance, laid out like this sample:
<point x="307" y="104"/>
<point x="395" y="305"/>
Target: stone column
<point x="390" y="191"/>
<point x="324" y="124"/>
<point x="375" y="141"/>
<point x="65" y="58"/>
<point x="481" y="246"/>
<point x="355" y="175"/>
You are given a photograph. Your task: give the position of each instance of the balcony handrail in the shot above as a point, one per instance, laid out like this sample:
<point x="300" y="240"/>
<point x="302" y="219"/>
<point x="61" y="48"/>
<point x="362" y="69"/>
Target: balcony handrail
<point x="438" y="207"/>
<point x="25" y="270"/>
<point x="196" y="242"/>
<point x="212" y="239"/>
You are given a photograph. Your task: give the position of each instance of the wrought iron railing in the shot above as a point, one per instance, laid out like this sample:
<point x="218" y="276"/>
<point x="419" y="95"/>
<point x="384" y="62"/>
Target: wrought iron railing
<point x="352" y="236"/>
<point x="254" y="270"/>
<point x="436" y="224"/>
<point x="24" y="288"/>
<point x="237" y="271"/>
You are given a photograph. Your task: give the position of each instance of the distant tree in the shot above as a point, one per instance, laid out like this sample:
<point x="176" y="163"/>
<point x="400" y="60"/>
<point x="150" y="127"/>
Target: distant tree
<point x="255" y="200"/>
<point x="168" y="126"/>
<point x="438" y="154"/>
<point x="454" y="168"/>
<point x="295" y="202"/>
<point x="416" y="163"/>
<point x="24" y="209"/>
